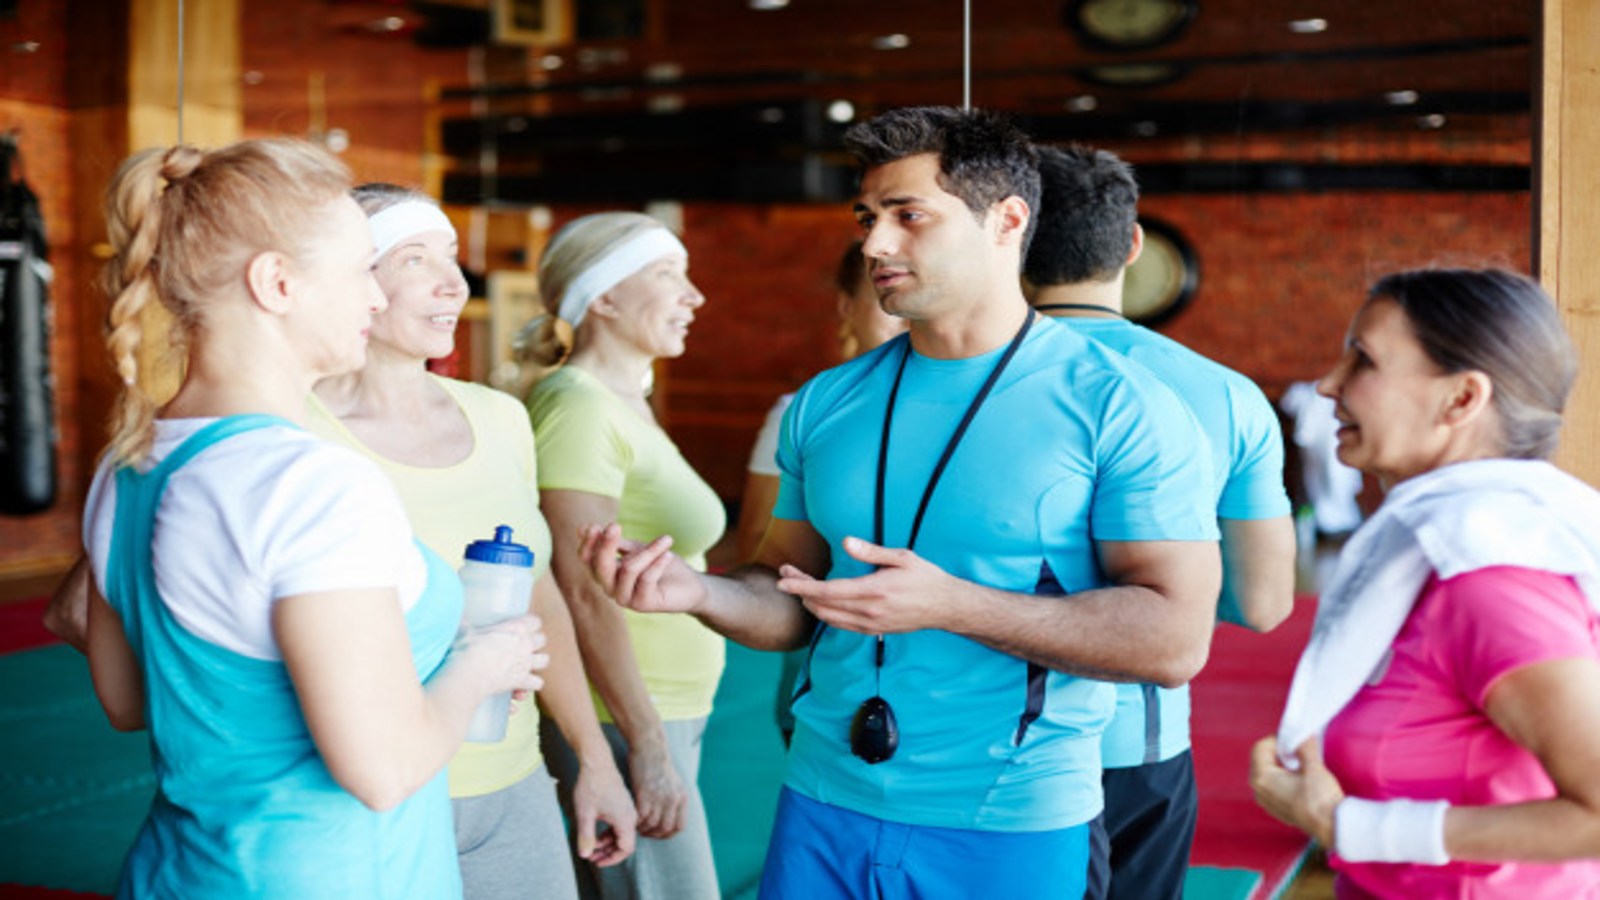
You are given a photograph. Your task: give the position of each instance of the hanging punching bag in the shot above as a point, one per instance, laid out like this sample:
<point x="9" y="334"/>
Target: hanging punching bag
<point x="27" y="402"/>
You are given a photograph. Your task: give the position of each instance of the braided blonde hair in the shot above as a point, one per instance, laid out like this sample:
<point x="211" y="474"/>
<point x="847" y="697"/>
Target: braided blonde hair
<point x="184" y="224"/>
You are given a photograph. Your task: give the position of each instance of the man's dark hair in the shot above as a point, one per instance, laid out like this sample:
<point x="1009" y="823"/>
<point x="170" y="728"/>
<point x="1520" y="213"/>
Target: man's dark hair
<point x="983" y="157"/>
<point x="1086" y="217"/>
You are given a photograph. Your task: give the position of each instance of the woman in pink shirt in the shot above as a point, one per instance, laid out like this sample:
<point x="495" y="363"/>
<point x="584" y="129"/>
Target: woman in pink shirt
<point x="1442" y="735"/>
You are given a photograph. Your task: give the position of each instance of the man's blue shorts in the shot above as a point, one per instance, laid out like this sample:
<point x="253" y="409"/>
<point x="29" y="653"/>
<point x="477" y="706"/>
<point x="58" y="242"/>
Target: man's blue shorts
<point x="820" y="852"/>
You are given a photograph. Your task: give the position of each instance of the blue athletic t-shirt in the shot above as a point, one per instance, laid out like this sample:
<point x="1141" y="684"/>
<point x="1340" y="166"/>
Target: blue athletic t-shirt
<point x="1152" y="723"/>
<point x="1066" y="451"/>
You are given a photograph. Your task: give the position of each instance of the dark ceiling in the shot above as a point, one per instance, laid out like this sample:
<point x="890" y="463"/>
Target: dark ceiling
<point x="724" y="100"/>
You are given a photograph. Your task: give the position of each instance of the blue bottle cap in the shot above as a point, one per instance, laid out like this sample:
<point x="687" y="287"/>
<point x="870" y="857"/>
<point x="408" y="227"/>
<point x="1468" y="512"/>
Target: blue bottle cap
<point x="501" y="550"/>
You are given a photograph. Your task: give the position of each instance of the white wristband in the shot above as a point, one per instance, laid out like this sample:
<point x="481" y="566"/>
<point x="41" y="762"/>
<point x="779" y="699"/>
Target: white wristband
<point x="1390" y="831"/>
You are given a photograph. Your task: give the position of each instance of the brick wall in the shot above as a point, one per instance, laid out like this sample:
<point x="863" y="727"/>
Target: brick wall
<point x="33" y="102"/>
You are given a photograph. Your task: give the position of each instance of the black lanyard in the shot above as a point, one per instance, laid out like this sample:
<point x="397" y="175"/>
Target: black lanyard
<point x="949" y="448"/>
<point x="1082" y="307"/>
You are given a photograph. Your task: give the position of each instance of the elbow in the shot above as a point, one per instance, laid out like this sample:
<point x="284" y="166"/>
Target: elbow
<point x="1186" y="654"/>
<point x="1264" y="624"/>
<point x="1181" y="667"/>
<point x="375" y="791"/>
<point x="125" y="721"/>
<point x="1263" y="619"/>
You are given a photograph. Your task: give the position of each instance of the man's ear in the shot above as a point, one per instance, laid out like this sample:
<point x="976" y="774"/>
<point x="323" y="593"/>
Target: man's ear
<point x="1469" y="398"/>
<point x="1137" y="247"/>
<point x="1011" y="216"/>
<point x="268" y="279"/>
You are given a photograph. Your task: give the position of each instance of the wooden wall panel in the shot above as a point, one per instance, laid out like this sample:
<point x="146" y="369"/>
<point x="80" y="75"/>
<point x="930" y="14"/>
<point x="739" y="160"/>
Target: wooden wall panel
<point x="1568" y="217"/>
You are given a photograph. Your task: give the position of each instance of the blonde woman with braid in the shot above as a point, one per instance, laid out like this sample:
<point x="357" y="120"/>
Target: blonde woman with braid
<point x="618" y="292"/>
<point x="462" y="457"/>
<point x="257" y="600"/>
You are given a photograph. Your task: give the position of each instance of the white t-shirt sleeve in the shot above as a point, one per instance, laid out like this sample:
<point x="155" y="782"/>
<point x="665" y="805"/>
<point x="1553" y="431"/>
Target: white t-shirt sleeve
<point x="764" y="456"/>
<point x="264" y="515"/>
<point x="336" y="523"/>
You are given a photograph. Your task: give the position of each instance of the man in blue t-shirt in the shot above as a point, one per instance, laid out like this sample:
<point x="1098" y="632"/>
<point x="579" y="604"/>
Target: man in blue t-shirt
<point x="1088" y="233"/>
<point x="977" y="524"/>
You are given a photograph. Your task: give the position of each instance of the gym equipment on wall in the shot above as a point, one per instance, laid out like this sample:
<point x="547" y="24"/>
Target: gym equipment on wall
<point x="28" y="436"/>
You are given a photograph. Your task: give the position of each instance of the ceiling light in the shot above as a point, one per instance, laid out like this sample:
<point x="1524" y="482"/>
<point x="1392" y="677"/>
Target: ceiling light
<point x="663" y="72"/>
<point x="387" y="23"/>
<point x="1308" y="26"/>
<point x="841" y="111"/>
<point x="550" y="62"/>
<point x="1082" y="103"/>
<point x="1400" y="98"/>
<point x="1431" y="121"/>
<point x="767" y="5"/>
<point x="25" y="47"/>
<point x="665" y="103"/>
<point x="593" y="58"/>
<point x="891" y="42"/>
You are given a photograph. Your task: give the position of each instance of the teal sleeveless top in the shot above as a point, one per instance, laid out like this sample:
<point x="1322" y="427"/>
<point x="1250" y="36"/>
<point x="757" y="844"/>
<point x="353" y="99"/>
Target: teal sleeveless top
<point x="244" y="805"/>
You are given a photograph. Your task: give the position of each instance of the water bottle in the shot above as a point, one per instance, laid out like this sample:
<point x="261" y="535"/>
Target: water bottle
<point x="498" y="577"/>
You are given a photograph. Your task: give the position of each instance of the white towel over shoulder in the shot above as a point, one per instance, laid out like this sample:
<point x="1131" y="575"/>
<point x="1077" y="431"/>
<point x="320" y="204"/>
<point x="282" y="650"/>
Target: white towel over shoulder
<point x="1456" y="519"/>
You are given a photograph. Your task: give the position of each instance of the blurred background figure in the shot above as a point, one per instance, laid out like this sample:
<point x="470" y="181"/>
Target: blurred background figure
<point x="1331" y="488"/>
<point x="618" y="296"/>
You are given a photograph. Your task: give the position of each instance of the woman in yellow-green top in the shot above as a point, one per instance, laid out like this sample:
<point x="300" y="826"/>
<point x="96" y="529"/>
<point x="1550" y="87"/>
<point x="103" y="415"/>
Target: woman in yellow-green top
<point x="617" y="290"/>
<point x="462" y="458"/>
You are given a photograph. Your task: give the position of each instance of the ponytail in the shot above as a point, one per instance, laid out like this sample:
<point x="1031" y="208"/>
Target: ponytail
<point x="134" y="225"/>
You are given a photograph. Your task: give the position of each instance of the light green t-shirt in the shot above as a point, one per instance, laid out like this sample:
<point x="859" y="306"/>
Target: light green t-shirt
<point x="452" y="506"/>
<point x="590" y="441"/>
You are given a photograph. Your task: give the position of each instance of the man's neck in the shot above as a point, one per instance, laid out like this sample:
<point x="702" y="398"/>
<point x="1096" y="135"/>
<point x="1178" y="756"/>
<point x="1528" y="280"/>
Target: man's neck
<point x="974" y="331"/>
<point x="1097" y="299"/>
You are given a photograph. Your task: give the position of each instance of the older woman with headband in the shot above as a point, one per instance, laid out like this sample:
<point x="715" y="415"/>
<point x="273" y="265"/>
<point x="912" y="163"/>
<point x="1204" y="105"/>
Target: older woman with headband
<point x="618" y="291"/>
<point x="257" y="601"/>
<point x="1452" y="681"/>
<point x="462" y="458"/>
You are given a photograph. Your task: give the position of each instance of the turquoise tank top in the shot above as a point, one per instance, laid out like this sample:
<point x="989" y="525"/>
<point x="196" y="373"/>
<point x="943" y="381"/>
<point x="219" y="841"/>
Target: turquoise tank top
<point x="244" y="805"/>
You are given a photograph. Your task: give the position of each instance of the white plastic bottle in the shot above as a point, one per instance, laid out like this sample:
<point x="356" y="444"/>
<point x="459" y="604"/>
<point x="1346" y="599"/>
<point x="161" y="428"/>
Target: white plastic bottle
<point x="498" y="577"/>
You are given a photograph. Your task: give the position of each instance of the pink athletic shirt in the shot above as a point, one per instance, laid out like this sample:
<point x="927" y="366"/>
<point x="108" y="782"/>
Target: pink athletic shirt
<point x="1418" y="729"/>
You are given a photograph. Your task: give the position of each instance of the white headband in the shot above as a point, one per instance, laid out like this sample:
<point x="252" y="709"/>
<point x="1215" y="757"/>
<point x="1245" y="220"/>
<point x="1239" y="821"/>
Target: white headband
<point x="406" y="219"/>
<point x="628" y="258"/>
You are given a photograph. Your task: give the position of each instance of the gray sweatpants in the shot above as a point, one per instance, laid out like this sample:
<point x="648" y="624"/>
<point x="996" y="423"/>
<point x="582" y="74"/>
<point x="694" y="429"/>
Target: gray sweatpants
<point x="511" y="843"/>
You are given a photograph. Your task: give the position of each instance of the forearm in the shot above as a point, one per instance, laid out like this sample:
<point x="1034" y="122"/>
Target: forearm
<point x="382" y="733"/>
<point x="565" y="696"/>
<point x="607" y="653"/>
<point x="404" y="750"/>
<point x="747" y="607"/>
<point x="1560" y="828"/>
<point x="1120" y="633"/>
